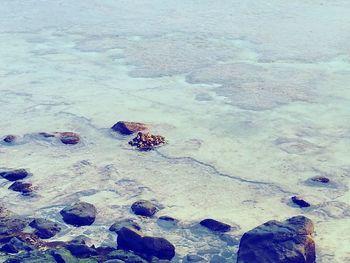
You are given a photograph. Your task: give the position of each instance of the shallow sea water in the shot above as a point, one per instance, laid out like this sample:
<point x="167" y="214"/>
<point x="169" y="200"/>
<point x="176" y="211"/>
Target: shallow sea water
<point x="252" y="96"/>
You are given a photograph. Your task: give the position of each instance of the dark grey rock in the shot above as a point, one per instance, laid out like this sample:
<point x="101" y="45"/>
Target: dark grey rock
<point x="300" y="202"/>
<point x="144" y="208"/>
<point x="122" y="223"/>
<point x="14" y="245"/>
<point x="22" y="187"/>
<point x="130" y="238"/>
<point x="81" y="250"/>
<point x="128" y="128"/>
<point x="45" y="228"/>
<point x="10" y="138"/>
<point x="79" y="214"/>
<point x="215" y="225"/>
<point x="14" y="175"/>
<point x="279" y="242"/>
<point x="12" y="224"/>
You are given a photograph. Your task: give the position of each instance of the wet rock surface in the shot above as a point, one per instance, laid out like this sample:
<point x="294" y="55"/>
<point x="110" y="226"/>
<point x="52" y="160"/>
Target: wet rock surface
<point x="45" y="228"/>
<point x="23" y="187"/>
<point x="144" y="208"/>
<point x="128" y="128"/>
<point x="10" y="138"/>
<point x="300" y="202"/>
<point x="320" y="179"/>
<point x="79" y="214"/>
<point x="279" y="242"/>
<point x="69" y="137"/>
<point x="130" y="238"/>
<point x="124" y="223"/>
<point x="14" y="175"/>
<point x="215" y="225"/>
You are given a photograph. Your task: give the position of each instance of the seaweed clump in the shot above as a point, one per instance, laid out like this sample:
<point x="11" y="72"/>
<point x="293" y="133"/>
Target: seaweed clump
<point x="147" y="141"/>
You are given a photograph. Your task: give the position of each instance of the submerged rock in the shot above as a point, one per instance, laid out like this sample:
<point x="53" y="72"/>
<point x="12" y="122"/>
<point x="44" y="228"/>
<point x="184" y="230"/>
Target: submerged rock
<point x="79" y="214"/>
<point x="320" y="179"/>
<point x="147" y="142"/>
<point x="14" y="175"/>
<point x="69" y="137"/>
<point x="80" y="250"/>
<point x="22" y="187"/>
<point x="45" y="228"/>
<point x="279" y="242"/>
<point x="144" y="208"/>
<point x="127" y="128"/>
<point x="10" y="138"/>
<point x="299" y="201"/>
<point x="131" y="239"/>
<point x="215" y="225"/>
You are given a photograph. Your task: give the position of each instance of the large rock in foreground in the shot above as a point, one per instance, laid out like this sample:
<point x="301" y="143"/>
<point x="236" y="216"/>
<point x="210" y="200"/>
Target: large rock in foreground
<point x="127" y="128"/>
<point x="79" y="214"/>
<point x="279" y="242"/>
<point x="131" y="239"/>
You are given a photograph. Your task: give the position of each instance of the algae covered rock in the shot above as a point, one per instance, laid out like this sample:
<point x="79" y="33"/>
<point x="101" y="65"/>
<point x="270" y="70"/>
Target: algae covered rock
<point x="45" y="228"/>
<point x="147" y="141"/>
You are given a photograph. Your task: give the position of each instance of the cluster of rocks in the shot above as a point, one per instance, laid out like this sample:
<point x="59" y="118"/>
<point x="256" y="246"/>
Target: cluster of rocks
<point x="69" y="138"/>
<point x="147" y="142"/>
<point x="16" y="176"/>
<point x="144" y="140"/>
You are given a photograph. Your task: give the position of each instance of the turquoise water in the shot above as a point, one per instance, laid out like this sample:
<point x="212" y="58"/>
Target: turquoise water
<point x="253" y="98"/>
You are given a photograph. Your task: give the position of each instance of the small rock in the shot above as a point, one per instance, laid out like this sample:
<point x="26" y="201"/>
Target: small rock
<point x="69" y="137"/>
<point x="130" y="238"/>
<point x="215" y="225"/>
<point x="320" y="179"/>
<point x="81" y="250"/>
<point x="279" y="242"/>
<point x="167" y="221"/>
<point x="125" y="256"/>
<point x="127" y="128"/>
<point x="10" y="138"/>
<point x="14" y="246"/>
<point x="194" y="258"/>
<point x="79" y="214"/>
<point x="14" y="175"/>
<point x="12" y="224"/>
<point x="147" y="142"/>
<point x="19" y="186"/>
<point x="45" y="228"/>
<point x="300" y="202"/>
<point x="144" y="208"/>
<point x="46" y="134"/>
<point x="122" y="223"/>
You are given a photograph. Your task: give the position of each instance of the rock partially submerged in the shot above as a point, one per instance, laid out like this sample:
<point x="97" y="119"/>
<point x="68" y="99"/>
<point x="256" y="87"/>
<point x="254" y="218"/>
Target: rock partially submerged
<point x="147" y="142"/>
<point x="128" y="128"/>
<point x="122" y="223"/>
<point x="14" y="175"/>
<point x="79" y="214"/>
<point x="45" y="228"/>
<point x="22" y="187"/>
<point x="144" y="208"/>
<point x="215" y="225"/>
<point x="320" y="179"/>
<point x="279" y="242"/>
<point x="300" y="202"/>
<point x="10" y="138"/>
<point x="70" y="138"/>
<point x="131" y="239"/>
